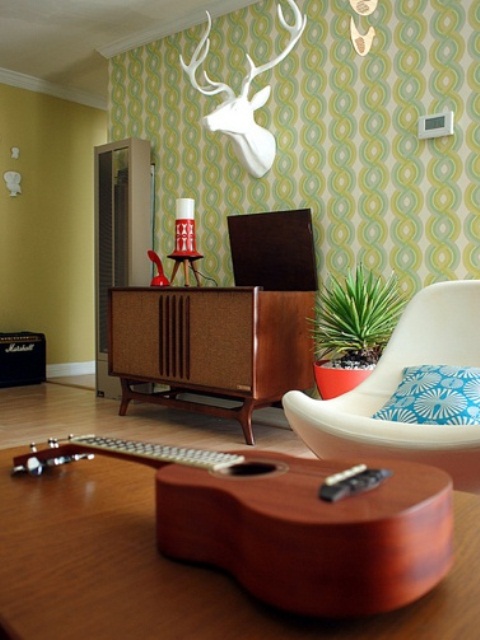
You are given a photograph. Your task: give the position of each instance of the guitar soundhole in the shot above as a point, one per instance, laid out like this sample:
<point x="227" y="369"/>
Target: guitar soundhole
<point x="252" y="469"/>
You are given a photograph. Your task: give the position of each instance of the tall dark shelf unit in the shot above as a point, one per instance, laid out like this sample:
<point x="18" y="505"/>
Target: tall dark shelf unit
<point x="122" y="235"/>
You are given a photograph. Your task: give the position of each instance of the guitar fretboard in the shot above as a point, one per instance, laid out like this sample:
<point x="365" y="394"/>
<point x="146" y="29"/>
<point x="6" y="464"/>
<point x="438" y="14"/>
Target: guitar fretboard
<point x="204" y="459"/>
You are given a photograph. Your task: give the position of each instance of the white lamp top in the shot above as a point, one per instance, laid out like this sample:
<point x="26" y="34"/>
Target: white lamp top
<point x="185" y="209"/>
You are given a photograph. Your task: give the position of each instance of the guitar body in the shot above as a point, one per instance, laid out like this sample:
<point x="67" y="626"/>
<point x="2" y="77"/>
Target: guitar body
<point x="366" y="554"/>
<point x="258" y="516"/>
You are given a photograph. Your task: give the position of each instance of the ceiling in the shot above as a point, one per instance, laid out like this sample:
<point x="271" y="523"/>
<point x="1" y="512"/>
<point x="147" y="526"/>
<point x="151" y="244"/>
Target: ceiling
<point x="62" y="47"/>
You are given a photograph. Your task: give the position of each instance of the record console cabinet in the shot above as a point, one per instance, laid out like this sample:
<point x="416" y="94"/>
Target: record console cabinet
<point x="239" y="344"/>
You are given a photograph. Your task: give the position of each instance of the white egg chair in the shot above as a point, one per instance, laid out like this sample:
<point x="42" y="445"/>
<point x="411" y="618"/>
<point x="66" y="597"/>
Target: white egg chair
<point x="440" y="326"/>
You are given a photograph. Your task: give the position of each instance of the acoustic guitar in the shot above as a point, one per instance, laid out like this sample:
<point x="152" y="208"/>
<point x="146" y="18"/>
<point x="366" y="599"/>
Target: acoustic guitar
<point x="271" y="522"/>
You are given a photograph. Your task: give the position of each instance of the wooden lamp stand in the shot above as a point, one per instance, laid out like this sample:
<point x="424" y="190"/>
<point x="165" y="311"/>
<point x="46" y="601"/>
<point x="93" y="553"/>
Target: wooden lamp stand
<point x="186" y="261"/>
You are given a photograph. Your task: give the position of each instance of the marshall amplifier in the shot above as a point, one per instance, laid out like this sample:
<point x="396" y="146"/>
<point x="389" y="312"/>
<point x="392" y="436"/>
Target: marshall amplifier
<point x="22" y="358"/>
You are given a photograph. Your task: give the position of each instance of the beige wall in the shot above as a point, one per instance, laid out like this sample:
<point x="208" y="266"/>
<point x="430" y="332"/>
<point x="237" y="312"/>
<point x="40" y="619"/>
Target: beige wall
<point x="47" y="232"/>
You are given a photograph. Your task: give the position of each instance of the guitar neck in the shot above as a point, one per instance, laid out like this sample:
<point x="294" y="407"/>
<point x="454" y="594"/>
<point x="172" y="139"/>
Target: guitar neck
<point x="202" y="458"/>
<point x="152" y="454"/>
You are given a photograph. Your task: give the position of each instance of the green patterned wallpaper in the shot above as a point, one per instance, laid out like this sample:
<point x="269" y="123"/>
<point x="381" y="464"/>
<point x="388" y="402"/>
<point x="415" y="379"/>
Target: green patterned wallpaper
<point x="346" y="131"/>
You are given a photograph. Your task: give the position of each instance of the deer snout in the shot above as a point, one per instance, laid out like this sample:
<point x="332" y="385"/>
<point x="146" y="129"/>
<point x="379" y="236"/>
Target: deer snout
<point x="233" y="116"/>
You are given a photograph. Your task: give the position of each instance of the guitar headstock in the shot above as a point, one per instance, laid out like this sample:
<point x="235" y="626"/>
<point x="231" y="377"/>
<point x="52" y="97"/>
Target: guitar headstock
<point x="56" y="453"/>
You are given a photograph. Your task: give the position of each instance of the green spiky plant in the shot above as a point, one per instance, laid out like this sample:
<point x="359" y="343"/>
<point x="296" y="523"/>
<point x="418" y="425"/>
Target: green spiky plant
<point x="355" y="318"/>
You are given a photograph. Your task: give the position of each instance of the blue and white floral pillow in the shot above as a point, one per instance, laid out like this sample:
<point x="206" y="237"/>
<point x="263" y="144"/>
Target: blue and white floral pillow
<point x="435" y="394"/>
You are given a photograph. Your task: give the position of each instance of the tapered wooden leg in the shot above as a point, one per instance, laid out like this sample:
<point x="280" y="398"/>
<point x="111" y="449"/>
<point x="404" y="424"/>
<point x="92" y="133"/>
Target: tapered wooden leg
<point x="175" y="269"/>
<point x="196" y="274"/>
<point x="245" y="419"/>
<point x="125" y="401"/>
<point x="185" y="272"/>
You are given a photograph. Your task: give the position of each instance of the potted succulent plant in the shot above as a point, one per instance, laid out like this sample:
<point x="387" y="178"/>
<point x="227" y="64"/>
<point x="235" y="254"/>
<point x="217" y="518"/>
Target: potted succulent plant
<point x="353" y="322"/>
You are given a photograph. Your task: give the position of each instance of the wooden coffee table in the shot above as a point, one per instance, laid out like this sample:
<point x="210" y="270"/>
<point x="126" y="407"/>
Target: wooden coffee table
<point x="79" y="561"/>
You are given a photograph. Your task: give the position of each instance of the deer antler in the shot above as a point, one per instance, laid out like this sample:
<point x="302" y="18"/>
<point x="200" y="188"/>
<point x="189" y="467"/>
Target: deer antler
<point x="197" y="59"/>
<point x="254" y="145"/>
<point x="295" y="30"/>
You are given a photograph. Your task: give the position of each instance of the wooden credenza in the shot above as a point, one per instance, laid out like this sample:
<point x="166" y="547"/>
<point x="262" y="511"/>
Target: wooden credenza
<point x="240" y="343"/>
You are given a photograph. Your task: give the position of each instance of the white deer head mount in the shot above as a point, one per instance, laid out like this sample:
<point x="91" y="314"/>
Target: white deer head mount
<point x="254" y="145"/>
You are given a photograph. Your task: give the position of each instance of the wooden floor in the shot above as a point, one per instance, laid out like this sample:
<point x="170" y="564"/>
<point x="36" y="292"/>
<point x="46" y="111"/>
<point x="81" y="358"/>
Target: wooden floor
<point x="61" y="407"/>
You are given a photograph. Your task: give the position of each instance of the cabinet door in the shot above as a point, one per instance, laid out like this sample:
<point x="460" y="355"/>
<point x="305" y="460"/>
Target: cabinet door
<point x="206" y="339"/>
<point x="134" y="334"/>
<point x="221" y="344"/>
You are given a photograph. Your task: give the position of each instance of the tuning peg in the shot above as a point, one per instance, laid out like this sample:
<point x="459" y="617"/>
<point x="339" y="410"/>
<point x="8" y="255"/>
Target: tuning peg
<point x="33" y="447"/>
<point x="18" y="470"/>
<point x="34" y="467"/>
<point x="53" y="443"/>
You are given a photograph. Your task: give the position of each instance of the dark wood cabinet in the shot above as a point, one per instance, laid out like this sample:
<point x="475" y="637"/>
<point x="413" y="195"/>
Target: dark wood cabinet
<point x="241" y="343"/>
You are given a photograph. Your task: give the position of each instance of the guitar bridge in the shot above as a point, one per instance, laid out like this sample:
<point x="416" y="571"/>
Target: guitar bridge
<point x="357" y="479"/>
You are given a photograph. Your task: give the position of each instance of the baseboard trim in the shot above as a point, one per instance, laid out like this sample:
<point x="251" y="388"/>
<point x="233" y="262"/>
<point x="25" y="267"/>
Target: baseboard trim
<point x="70" y="369"/>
